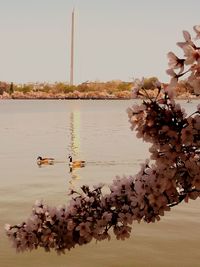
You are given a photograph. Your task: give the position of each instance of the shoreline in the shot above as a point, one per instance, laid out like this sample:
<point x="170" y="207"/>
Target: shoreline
<point x="189" y="99"/>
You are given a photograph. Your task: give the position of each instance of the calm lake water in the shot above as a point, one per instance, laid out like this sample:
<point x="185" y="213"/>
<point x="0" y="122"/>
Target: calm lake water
<point x="98" y="132"/>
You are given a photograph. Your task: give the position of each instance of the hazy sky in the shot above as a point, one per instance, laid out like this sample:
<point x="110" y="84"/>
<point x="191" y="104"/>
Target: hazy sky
<point x="114" y="39"/>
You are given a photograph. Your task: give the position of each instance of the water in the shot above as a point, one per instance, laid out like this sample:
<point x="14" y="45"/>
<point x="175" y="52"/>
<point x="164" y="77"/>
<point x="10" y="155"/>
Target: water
<point x="98" y="132"/>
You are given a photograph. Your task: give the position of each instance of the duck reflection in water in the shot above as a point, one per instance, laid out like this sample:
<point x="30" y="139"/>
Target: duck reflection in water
<point x="74" y="177"/>
<point x="74" y="167"/>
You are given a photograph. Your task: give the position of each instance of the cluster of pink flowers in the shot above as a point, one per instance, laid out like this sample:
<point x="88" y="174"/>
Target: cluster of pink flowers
<point x="169" y="177"/>
<point x="190" y="64"/>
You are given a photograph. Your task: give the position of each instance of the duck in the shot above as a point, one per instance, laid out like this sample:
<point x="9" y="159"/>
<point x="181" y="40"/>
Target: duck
<point x="76" y="163"/>
<point x="46" y="161"/>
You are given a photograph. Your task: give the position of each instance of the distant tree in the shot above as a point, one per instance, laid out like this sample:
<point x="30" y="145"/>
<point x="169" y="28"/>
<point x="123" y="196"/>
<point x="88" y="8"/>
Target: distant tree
<point x="124" y="86"/>
<point x="62" y="88"/>
<point x="83" y="88"/>
<point x="4" y="87"/>
<point x="69" y="89"/>
<point x="11" y="88"/>
<point x="46" y="88"/>
<point x="149" y="83"/>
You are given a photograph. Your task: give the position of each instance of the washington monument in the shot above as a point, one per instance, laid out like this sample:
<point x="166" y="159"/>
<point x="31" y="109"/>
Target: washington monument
<point x="72" y="51"/>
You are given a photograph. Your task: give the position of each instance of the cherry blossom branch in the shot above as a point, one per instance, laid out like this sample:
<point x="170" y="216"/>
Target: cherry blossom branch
<point x="170" y="176"/>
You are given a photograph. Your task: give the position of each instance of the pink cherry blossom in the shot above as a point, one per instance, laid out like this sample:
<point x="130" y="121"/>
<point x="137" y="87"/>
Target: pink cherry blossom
<point x="197" y="31"/>
<point x="175" y="62"/>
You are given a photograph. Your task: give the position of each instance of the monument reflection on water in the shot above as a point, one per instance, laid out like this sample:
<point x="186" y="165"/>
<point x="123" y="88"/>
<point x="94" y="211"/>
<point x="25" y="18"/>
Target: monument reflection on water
<point x="74" y="145"/>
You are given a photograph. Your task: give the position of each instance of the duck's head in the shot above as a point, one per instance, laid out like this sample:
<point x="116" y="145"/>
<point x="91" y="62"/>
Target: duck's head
<point x="70" y="158"/>
<point x="39" y="158"/>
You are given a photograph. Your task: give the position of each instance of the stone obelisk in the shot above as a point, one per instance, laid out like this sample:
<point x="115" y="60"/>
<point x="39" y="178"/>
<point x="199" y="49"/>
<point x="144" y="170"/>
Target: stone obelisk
<point x="72" y="51"/>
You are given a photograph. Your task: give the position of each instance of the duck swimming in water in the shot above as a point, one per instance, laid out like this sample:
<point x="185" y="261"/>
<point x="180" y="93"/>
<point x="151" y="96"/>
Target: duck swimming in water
<point x="76" y="163"/>
<point x="45" y="161"/>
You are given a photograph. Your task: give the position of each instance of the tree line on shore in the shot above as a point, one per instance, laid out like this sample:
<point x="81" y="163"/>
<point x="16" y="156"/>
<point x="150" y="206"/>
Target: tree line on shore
<point x="115" y="89"/>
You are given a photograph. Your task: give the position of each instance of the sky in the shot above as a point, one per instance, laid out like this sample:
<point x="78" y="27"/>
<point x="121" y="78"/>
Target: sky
<point x="114" y="39"/>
